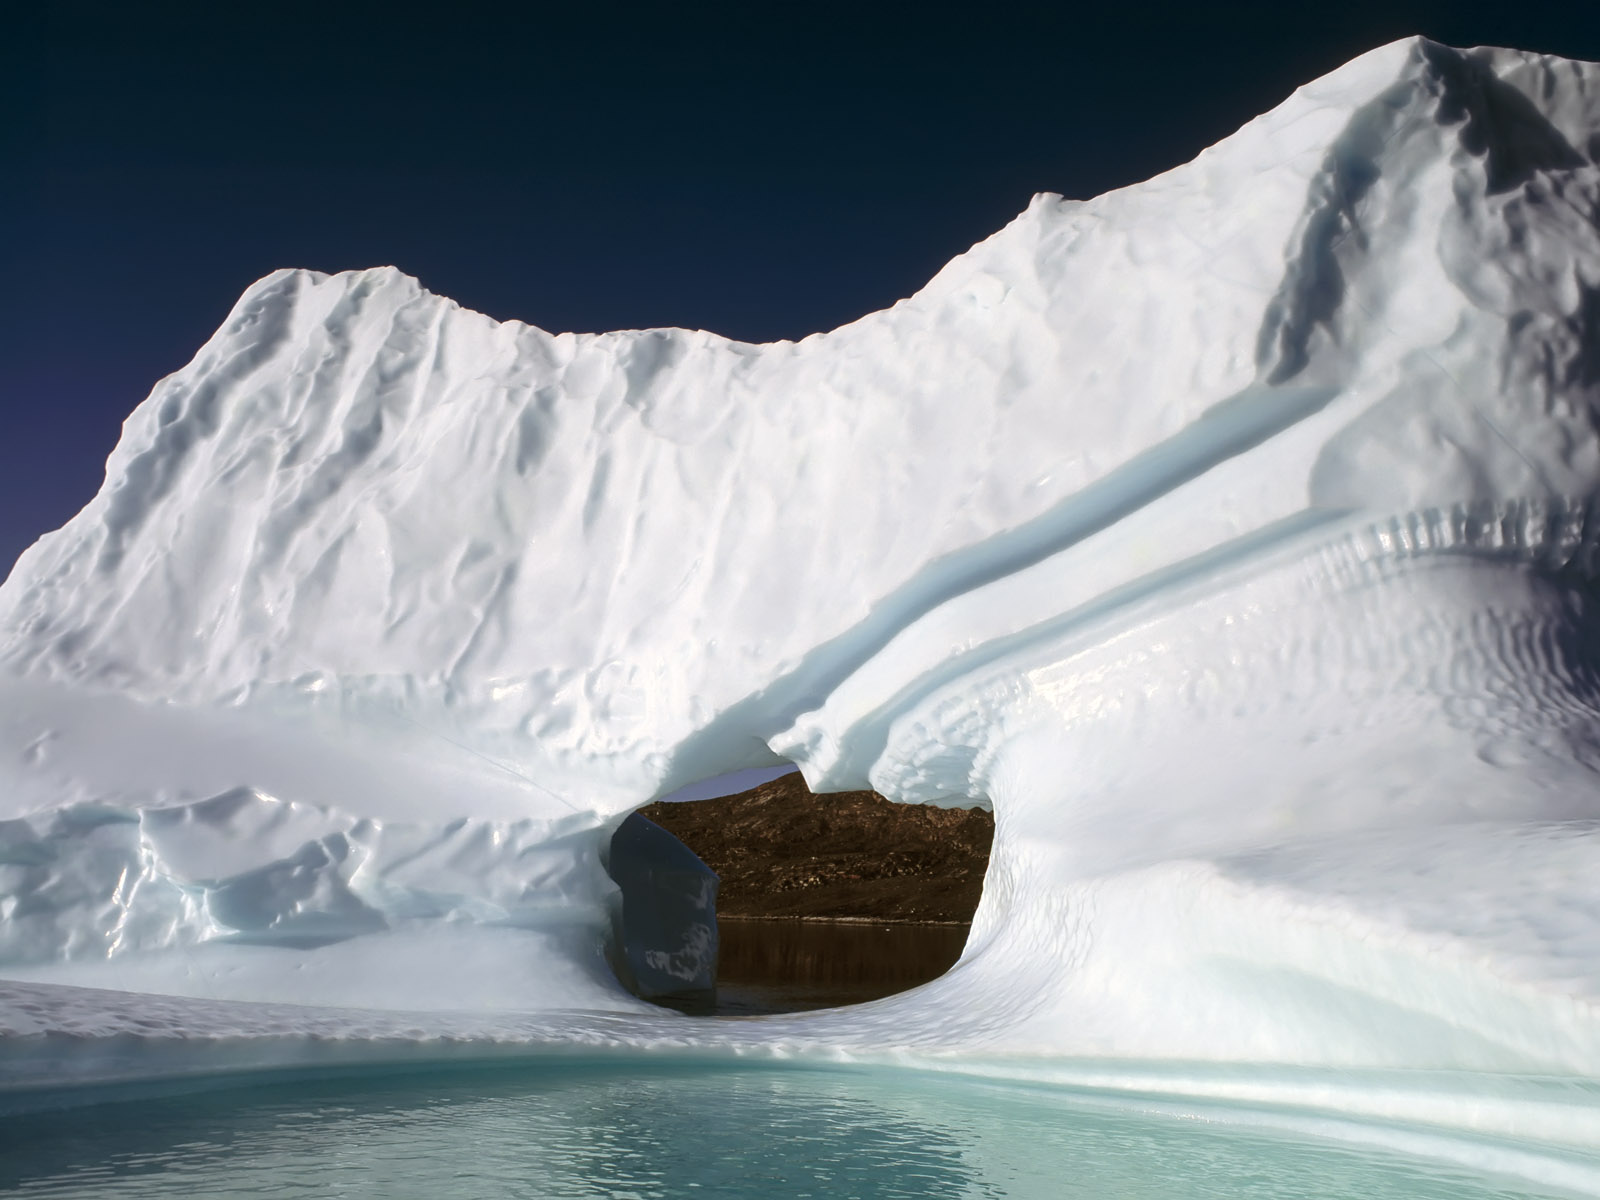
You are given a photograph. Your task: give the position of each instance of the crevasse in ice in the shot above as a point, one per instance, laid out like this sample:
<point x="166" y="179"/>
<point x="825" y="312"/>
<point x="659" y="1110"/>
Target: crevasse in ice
<point x="1233" y="535"/>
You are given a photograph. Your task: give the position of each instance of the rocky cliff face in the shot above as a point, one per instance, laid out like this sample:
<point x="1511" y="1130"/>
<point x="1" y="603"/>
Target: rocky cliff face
<point x="783" y="852"/>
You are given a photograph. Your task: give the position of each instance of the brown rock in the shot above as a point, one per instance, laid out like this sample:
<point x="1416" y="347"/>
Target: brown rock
<point x="784" y="852"/>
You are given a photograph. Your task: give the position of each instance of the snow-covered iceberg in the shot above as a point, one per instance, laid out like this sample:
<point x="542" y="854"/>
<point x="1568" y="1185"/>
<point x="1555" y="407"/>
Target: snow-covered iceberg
<point x="1233" y="535"/>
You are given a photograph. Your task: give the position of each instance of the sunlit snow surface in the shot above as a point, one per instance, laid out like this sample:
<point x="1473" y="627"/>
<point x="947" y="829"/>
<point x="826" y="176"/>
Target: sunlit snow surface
<point x="1233" y="535"/>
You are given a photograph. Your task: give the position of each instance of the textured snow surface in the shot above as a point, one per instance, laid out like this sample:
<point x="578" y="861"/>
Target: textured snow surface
<point x="1233" y="535"/>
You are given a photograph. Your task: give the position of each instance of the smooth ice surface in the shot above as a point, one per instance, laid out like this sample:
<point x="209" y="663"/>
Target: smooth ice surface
<point x="1233" y="535"/>
<point x="668" y="934"/>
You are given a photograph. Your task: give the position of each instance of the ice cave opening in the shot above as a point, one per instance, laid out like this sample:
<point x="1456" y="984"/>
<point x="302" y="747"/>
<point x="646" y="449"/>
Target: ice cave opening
<point x="772" y="899"/>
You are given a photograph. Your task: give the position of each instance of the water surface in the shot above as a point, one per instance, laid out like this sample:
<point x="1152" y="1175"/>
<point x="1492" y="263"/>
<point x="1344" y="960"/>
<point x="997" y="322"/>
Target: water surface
<point x="587" y="1129"/>
<point x="773" y="966"/>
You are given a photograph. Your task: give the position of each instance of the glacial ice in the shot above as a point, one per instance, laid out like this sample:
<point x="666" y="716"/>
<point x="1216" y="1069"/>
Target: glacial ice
<point x="667" y="946"/>
<point x="1232" y="534"/>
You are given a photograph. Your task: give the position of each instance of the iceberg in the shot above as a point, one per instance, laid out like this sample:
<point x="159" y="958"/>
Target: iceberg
<point x="1233" y="535"/>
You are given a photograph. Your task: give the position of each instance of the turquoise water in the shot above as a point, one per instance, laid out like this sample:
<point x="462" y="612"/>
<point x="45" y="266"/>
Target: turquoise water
<point x="598" y="1130"/>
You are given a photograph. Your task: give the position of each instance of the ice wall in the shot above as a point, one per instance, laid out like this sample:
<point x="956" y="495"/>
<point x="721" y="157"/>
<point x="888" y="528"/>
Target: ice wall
<point x="1232" y="533"/>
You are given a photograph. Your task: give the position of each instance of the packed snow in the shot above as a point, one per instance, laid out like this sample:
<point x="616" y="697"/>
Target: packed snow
<point x="1233" y="535"/>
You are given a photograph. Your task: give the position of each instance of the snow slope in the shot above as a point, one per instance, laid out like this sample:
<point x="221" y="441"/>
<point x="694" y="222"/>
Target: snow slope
<point x="1233" y="534"/>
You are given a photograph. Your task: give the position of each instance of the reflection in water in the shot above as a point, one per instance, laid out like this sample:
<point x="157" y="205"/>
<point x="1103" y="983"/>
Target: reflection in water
<point x="770" y="966"/>
<point x="585" y="1130"/>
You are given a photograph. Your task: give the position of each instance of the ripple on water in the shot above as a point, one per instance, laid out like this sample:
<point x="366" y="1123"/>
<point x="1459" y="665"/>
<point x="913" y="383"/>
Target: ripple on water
<point x="603" y="1131"/>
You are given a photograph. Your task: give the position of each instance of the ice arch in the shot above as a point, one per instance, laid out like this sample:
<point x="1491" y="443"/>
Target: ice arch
<point x="1233" y="533"/>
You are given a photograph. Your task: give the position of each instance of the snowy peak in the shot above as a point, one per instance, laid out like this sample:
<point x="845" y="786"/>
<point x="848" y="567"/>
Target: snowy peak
<point x="591" y="552"/>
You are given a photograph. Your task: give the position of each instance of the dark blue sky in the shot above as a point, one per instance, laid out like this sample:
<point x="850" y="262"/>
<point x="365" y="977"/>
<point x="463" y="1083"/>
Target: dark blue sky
<point x="763" y="172"/>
